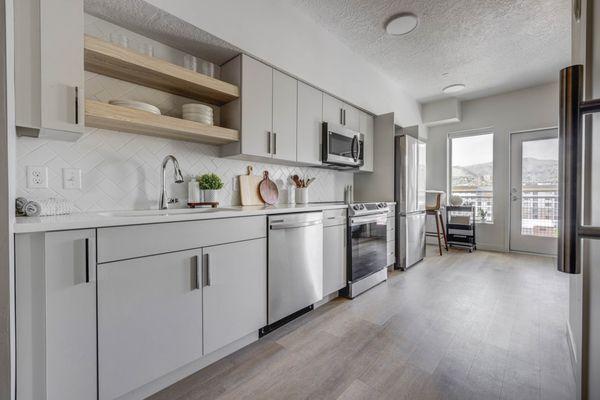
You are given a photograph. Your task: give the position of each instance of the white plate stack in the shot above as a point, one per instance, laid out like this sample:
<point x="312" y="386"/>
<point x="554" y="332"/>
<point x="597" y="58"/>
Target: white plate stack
<point x="137" y="105"/>
<point x="198" y="112"/>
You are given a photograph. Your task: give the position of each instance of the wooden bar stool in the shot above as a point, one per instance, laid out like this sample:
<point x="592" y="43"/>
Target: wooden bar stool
<point x="434" y="209"/>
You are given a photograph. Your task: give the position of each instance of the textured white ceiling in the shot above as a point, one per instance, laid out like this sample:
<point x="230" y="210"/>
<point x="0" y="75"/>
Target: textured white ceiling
<point x="152" y="22"/>
<point x="492" y="46"/>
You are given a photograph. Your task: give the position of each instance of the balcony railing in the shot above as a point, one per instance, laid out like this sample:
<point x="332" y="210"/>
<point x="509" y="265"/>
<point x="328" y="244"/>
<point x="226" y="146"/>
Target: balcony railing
<point x="539" y="210"/>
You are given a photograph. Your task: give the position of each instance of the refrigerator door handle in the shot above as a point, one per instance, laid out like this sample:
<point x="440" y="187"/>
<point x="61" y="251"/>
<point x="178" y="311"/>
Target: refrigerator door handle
<point x="570" y="163"/>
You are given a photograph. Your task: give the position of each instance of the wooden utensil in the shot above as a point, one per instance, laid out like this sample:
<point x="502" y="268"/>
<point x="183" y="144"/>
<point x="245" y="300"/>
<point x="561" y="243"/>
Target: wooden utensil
<point x="268" y="189"/>
<point x="249" y="194"/>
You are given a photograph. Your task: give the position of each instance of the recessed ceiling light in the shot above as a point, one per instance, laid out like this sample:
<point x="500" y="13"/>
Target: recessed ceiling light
<point x="401" y="24"/>
<point x="457" y="87"/>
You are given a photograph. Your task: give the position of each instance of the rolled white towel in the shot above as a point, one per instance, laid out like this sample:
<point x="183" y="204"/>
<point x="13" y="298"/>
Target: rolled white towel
<point x="20" y="204"/>
<point x="32" y="209"/>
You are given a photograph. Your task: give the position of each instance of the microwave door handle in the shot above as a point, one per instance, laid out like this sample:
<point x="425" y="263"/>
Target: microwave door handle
<point x="352" y="148"/>
<point x="570" y="188"/>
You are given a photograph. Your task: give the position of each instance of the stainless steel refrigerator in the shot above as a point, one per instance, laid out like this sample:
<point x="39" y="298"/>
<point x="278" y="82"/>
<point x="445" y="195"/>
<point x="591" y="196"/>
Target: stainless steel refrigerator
<point x="409" y="194"/>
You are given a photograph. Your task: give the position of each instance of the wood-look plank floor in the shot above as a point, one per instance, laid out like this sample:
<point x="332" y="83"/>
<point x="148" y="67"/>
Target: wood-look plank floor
<point x="463" y="326"/>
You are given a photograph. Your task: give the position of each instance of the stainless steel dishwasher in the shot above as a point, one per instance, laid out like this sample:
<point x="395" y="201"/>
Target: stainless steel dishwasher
<point x="295" y="272"/>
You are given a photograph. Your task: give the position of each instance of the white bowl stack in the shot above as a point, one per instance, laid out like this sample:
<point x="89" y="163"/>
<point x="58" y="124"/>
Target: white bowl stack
<point x="198" y="112"/>
<point x="137" y="105"/>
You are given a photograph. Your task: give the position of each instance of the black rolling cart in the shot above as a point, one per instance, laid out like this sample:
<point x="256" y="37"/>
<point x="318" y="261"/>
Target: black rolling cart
<point x="460" y="223"/>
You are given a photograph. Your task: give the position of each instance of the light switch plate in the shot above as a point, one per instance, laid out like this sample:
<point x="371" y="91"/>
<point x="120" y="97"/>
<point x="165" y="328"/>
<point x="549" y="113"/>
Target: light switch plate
<point x="37" y="177"/>
<point x="71" y="178"/>
<point x="235" y="183"/>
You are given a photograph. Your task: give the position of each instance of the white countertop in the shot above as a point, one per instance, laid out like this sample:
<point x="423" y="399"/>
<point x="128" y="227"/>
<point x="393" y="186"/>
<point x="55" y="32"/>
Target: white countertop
<point x="120" y="218"/>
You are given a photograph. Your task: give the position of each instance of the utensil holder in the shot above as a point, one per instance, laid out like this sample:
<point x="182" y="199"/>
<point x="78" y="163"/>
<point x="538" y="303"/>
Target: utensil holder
<point x="302" y="195"/>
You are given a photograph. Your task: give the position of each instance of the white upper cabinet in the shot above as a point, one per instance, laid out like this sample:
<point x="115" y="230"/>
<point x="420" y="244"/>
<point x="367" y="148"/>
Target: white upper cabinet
<point x="351" y="117"/>
<point x="285" y="105"/>
<point x="49" y="78"/>
<point x="310" y="118"/>
<point x="257" y="108"/>
<point x="56" y="315"/>
<point x="234" y="291"/>
<point x="367" y="129"/>
<point x="333" y="110"/>
<point x="337" y="112"/>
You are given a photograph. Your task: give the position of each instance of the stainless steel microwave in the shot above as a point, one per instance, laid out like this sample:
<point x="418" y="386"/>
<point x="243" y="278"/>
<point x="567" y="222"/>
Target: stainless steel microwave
<point x="342" y="148"/>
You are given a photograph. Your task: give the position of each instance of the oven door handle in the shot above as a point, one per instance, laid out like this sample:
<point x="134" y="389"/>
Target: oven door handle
<point x="368" y="219"/>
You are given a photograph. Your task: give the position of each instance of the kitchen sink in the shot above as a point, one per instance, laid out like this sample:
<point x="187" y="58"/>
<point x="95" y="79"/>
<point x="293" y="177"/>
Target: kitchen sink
<point x="150" y="213"/>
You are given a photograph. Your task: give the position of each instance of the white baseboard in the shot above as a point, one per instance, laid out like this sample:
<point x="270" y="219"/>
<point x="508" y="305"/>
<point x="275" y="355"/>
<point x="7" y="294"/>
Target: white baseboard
<point x="187" y="370"/>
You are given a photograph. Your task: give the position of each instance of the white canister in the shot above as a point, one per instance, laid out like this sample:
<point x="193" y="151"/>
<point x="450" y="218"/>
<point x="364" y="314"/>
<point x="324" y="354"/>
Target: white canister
<point x="302" y="195"/>
<point x="193" y="192"/>
<point x="211" y="196"/>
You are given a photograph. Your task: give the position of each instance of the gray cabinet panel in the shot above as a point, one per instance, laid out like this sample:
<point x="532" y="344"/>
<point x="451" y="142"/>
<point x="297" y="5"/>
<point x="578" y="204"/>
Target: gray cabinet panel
<point x="49" y="94"/>
<point x="257" y="107"/>
<point x="351" y="117"/>
<point x="149" y="319"/>
<point x="235" y="295"/>
<point x="310" y="118"/>
<point x="119" y="243"/>
<point x="332" y="110"/>
<point x="56" y="315"/>
<point x="285" y="108"/>
<point x="334" y="258"/>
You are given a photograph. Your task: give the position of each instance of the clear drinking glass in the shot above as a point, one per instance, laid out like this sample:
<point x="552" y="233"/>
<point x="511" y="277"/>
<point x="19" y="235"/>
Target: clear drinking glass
<point x="146" y="49"/>
<point x="119" y="39"/>
<point x="207" y="68"/>
<point x="190" y="62"/>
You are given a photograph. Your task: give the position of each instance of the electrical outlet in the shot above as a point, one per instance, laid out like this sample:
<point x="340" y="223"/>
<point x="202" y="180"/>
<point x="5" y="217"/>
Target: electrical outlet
<point x="235" y="184"/>
<point x="37" y="177"/>
<point x="71" y="178"/>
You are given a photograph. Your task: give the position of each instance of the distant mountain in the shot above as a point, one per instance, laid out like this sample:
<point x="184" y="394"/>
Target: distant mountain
<point x="535" y="171"/>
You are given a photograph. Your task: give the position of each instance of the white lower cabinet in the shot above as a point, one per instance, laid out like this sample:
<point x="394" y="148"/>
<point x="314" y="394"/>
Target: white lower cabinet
<point x="56" y="315"/>
<point x="149" y="319"/>
<point x="234" y="291"/>
<point x="334" y="258"/>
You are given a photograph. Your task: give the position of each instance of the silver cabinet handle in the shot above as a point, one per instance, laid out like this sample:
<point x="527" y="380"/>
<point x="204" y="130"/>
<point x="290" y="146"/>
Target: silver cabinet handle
<point x="76" y="105"/>
<point x="341" y="116"/>
<point x="268" y="142"/>
<point x="274" y="143"/>
<point x="196" y="275"/>
<point x="208" y="273"/>
<point x="87" y="260"/>
<point x="344" y="116"/>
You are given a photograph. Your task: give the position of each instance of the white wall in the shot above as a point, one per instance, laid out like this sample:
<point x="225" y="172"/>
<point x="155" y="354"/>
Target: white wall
<point x="521" y="110"/>
<point x="281" y="35"/>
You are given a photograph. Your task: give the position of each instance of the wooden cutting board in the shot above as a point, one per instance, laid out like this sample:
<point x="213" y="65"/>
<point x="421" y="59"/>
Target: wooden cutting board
<point x="249" y="192"/>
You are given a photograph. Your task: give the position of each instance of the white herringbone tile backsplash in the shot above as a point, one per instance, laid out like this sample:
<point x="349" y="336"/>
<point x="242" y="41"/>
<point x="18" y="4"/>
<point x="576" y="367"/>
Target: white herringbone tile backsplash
<point x="121" y="171"/>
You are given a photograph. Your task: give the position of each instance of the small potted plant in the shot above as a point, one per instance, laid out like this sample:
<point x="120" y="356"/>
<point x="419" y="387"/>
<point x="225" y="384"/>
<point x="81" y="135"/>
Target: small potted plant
<point x="210" y="184"/>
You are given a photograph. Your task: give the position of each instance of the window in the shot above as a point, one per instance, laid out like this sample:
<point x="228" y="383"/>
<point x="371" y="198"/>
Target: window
<point x="472" y="173"/>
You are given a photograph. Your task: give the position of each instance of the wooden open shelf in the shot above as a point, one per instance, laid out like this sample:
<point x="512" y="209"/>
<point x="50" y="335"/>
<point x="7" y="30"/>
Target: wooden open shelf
<point x="109" y="59"/>
<point x="116" y="118"/>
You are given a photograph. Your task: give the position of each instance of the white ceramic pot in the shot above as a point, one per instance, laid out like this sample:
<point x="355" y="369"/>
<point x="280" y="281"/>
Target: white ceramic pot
<point x="302" y="195"/>
<point x="211" y="196"/>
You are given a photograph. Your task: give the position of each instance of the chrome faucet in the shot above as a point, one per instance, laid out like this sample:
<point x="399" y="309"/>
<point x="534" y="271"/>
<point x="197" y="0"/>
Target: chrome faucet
<point x="178" y="177"/>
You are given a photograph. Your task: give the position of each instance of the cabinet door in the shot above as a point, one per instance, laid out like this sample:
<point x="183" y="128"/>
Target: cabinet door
<point x="332" y="110"/>
<point x="257" y="107"/>
<point x="70" y="342"/>
<point x="62" y="82"/>
<point x="234" y="291"/>
<point x="367" y="128"/>
<point x="351" y="117"/>
<point x="334" y="258"/>
<point x="285" y="108"/>
<point x="149" y="319"/>
<point x="310" y="118"/>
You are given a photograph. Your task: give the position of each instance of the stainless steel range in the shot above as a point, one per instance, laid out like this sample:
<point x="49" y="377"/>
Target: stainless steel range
<point x="367" y="246"/>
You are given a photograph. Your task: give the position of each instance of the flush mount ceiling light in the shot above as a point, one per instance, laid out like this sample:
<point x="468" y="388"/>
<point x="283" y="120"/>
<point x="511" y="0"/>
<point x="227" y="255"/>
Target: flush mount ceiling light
<point x="401" y="24"/>
<point x="457" y="87"/>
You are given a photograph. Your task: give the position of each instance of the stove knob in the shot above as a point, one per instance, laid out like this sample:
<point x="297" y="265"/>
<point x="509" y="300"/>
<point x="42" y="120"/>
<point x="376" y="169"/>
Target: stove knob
<point x="356" y="207"/>
<point x="362" y="206"/>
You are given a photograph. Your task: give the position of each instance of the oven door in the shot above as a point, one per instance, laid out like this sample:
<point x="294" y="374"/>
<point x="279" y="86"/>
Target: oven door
<point x="368" y="244"/>
<point x="342" y="146"/>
